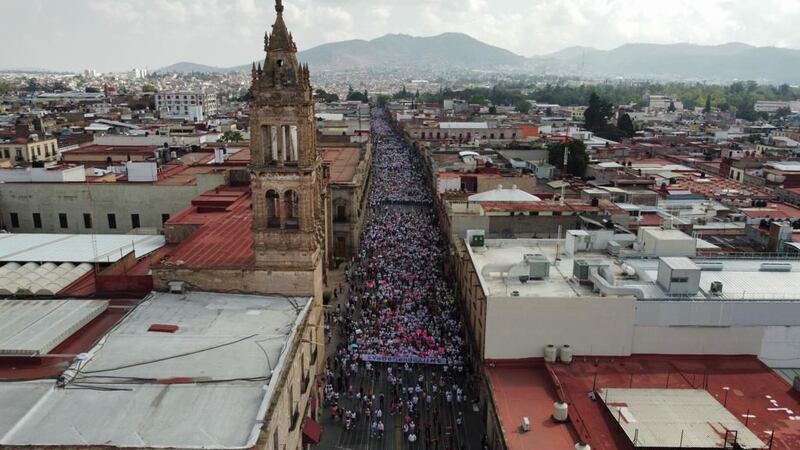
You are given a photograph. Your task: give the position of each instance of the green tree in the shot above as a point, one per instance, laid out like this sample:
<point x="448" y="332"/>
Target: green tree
<point x="577" y="161"/>
<point x="625" y="125"/>
<point x="326" y="97"/>
<point x="92" y="90"/>
<point x="597" y="114"/>
<point x="493" y="110"/>
<point x="231" y="137"/>
<point x="783" y="112"/>
<point x="522" y="106"/>
<point x="671" y="107"/>
<point x="147" y="87"/>
<point x="383" y="100"/>
<point x="355" y="96"/>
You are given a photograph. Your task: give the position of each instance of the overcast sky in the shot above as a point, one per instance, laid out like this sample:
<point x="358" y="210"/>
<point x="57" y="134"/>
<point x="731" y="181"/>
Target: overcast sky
<point x="116" y="35"/>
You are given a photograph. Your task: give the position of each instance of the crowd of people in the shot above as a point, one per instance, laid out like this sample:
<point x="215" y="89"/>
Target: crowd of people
<point x="402" y="351"/>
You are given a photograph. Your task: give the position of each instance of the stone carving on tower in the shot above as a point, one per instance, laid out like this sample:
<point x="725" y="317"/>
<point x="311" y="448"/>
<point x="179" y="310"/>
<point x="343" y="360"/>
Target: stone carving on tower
<point x="286" y="169"/>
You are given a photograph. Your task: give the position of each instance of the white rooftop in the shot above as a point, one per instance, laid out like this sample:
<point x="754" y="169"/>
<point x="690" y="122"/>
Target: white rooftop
<point x="47" y="279"/>
<point x="229" y="345"/>
<point x="785" y="166"/>
<point x="34" y="327"/>
<point x="464" y="125"/>
<point x="493" y="264"/>
<point x="504" y="195"/>
<point x="75" y="248"/>
<point x="672" y="418"/>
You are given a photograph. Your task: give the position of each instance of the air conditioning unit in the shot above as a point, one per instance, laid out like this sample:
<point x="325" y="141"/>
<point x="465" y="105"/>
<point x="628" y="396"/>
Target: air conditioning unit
<point x="716" y="288"/>
<point x="580" y="268"/>
<point x="538" y="266"/>
<point x="177" y="287"/>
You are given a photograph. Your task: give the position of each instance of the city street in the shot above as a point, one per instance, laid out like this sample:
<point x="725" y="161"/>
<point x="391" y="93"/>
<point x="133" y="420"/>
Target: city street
<point x="397" y="368"/>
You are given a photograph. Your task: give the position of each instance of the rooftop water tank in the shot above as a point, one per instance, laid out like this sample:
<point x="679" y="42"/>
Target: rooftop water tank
<point x="565" y="355"/>
<point x="550" y="353"/>
<point x="560" y="412"/>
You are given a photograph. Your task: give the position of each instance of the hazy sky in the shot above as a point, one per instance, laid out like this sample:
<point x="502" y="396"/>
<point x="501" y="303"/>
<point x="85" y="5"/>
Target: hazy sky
<point x="123" y="34"/>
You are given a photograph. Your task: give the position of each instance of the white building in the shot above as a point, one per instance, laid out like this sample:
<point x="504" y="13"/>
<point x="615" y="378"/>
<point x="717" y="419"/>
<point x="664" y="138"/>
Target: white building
<point x="616" y="295"/>
<point x="660" y="102"/>
<point x="186" y="105"/>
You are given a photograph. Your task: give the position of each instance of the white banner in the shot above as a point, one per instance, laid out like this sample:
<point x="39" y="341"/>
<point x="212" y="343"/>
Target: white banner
<point x="405" y="359"/>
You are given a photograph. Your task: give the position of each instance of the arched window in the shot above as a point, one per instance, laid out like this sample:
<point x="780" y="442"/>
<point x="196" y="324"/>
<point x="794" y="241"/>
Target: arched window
<point x="291" y="210"/>
<point x="273" y="209"/>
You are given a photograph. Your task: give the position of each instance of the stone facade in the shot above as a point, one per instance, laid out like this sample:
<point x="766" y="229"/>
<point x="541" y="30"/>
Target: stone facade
<point x="286" y="171"/>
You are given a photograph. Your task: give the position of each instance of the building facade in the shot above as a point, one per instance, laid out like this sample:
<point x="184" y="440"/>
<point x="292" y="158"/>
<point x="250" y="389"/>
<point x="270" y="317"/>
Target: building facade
<point x="187" y="105"/>
<point x="26" y="150"/>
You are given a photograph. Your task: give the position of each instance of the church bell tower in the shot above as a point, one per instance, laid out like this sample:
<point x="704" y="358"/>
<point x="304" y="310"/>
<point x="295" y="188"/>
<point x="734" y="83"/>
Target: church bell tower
<point x="286" y="169"/>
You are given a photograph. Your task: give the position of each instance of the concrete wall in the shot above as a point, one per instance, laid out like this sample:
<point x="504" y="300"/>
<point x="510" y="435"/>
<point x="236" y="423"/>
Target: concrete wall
<point x="243" y="280"/>
<point x="296" y="386"/>
<point x="698" y="340"/>
<point x="149" y="201"/>
<point x="522" y="327"/>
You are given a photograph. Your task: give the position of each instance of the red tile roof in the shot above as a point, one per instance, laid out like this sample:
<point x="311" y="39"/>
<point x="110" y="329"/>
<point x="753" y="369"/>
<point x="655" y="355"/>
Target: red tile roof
<point x="525" y="390"/>
<point x="343" y="163"/>
<point x="753" y="387"/>
<point x="223" y="240"/>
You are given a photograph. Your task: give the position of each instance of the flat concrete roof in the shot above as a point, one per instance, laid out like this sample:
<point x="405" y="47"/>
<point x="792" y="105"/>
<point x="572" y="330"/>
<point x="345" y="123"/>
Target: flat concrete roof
<point x="207" y="385"/>
<point x="493" y="262"/>
<point x="672" y="418"/>
<point x="742" y="279"/>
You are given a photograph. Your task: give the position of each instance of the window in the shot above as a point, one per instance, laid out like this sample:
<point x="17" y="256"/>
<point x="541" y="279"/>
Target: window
<point x="135" y="221"/>
<point x="291" y="210"/>
<point x="679" y="280"/>
<point x="37" y="220"/>
<point x="62" y="220"/>
<point x="87" y="221"/>
<point x="14" y="220"/>
<point x="164" y="218"/>
<point x="112" y="221"/>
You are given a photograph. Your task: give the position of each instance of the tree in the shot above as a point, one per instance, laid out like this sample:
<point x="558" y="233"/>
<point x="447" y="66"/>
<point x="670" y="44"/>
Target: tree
<point x="231" y="136"/>
<point x="383" y="100"/>
<point x="625" y="125"/>
<point x="671" y="107"/>
<point x="576" y="162"/>
<point x="147" y="87"/>
<point x="597" y="114"/>
<point x="326" y="97"/>
<point x="707" y="109"/>
<point x="783" y="112"/>
<point x="522" y="106"/>
<point x="92" y="90"/>
<point x="355" y="96"/>
<point x="493" y="110"/>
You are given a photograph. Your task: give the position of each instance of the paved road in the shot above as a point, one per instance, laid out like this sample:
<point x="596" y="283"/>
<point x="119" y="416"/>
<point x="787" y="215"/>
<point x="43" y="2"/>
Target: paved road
<point x="436" y="422"/>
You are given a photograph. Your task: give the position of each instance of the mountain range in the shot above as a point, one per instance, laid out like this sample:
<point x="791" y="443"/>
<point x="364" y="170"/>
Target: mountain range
<point x="452" y="51"/>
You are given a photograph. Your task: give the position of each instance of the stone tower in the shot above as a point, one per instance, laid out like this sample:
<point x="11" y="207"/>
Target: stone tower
<point x="286" y="169"/>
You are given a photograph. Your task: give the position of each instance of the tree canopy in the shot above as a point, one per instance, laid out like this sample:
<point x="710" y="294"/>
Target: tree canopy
<point x="577" y="160"/>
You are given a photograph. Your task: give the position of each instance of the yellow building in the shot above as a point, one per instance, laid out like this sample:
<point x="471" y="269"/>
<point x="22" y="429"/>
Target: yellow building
<point x="27" y="150"/>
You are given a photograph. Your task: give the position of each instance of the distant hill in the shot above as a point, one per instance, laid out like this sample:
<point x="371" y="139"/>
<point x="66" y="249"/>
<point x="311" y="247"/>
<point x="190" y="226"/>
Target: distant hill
<point x="448" y="50"/>
<point x="725" y="62"/>
<point x="187" y="67"/>
<point x="679" y="61"/>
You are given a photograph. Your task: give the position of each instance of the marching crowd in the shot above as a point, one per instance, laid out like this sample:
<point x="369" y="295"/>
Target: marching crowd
<point x="402" y="351"/>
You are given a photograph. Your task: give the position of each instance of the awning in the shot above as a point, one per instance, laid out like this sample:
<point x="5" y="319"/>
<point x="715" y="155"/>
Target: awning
<point x="312" y="432"/>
